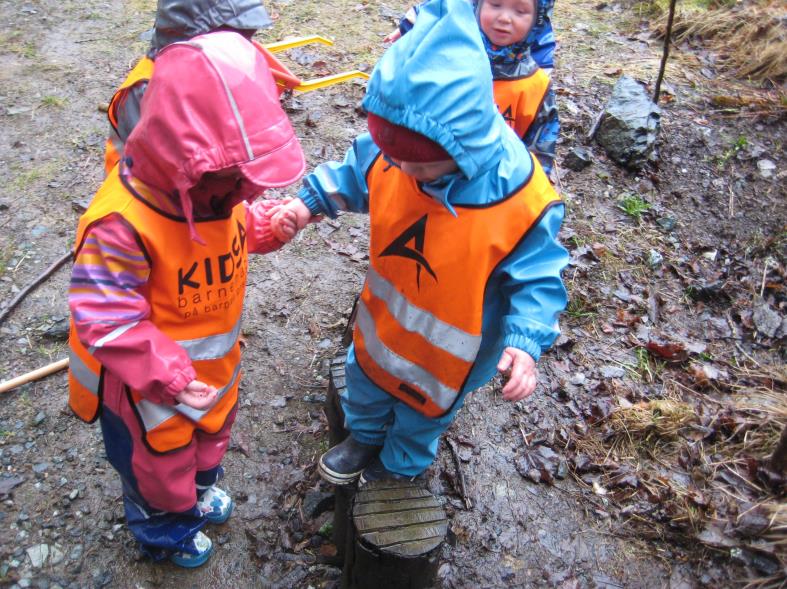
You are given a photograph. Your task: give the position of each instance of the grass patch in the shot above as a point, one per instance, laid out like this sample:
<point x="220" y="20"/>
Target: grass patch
<point x="5" y="255"/>
<point x="651" y="423"/>
<point x="580" y="308"/>
<point x="648" y="368"/>
<point x="53" y="101"/>
<point x="26" y="179"/>
<point x="694" y="469"/>
<point x="14" y="42"/>
<point x="729" y="153"/>
<point x="634" y="206"/>
<point x="748" y="36"/>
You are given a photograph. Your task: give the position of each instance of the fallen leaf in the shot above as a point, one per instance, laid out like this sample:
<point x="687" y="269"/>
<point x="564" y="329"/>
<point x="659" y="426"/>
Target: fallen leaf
<point x="624" y="318"/>
<point x="301" y="545"/>
<point x="669" y="351"/>
<point x="704" y="374"/>
<point x="314" y="329"/>
<point x="328" y="550"/>
<point x="239" y="443"/>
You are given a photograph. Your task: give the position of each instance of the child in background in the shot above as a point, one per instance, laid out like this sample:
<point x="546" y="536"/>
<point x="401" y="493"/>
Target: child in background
<point x="176" y="20"/>
<point x="464" y="263"/>
<point x="541" y="38"/>
<point x="523" y="91"/>
<point x="159" y="278"/>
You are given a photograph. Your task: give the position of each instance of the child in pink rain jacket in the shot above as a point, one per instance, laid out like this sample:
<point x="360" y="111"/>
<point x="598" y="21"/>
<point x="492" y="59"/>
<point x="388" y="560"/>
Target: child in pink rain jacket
<point x="159" y="277"/>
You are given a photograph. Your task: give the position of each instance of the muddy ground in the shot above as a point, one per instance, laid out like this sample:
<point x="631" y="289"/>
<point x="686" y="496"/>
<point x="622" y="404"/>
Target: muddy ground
<point x="696" y="266"/>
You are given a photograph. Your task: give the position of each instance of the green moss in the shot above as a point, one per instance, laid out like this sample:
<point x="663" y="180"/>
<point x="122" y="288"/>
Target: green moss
<point x="633" y="205"/>
<point x="14" y="42"/>
<point x="54" y="101"/>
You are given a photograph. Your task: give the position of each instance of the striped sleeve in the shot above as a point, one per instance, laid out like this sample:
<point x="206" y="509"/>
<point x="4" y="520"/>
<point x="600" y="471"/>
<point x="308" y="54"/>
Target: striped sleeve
<point x="111" y="313"/>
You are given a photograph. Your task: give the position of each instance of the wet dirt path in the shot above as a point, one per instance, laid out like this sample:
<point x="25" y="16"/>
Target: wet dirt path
<point x="61" y="60"/>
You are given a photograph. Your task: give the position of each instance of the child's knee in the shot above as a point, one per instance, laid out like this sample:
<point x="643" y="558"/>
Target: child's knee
<point x="167" y="482"/>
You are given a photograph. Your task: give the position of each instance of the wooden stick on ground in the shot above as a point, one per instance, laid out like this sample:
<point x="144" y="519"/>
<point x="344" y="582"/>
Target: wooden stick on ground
<point x="459" y="474"/>
<point x="37" y="374"/>
<point x="26" y="290"/>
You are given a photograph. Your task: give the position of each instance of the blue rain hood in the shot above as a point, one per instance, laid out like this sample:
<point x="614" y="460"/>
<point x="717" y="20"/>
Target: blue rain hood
<point x="436" y="81"/>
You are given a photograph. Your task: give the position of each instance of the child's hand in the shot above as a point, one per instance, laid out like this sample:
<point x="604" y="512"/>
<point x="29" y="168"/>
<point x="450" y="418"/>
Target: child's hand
<point x="198" y="395"/>
<point x="522" y="375"/>
<point x="284" y="224"/>
<point x="393" y="36"/>
<point x="302" y="213"/>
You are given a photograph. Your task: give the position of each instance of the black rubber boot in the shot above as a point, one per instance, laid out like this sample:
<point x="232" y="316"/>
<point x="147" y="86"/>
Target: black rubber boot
<point x="343" y="464"/>
<point x="376" y="471"/>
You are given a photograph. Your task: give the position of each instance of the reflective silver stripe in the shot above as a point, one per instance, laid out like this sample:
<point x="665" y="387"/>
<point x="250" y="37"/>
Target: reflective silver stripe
<point x="114" y="335"/>
<point x="196" y="415"/>
<point x="212" y="346"/>
<point x="86" y="377"/>
<point x="236" y="113"/>
<point x="153" y="414"/>
<point x="441" y="334"/>
<point x="399" y="367"/>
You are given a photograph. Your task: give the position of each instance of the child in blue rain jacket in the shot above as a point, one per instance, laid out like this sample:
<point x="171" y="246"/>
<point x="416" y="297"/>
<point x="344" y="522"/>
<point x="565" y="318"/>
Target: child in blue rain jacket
<point x="464" y="262"/>
<point x="519" y="43"/>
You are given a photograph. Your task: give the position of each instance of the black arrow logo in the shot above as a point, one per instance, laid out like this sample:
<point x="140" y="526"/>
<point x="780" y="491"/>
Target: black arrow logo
<point x="398" y="247"/>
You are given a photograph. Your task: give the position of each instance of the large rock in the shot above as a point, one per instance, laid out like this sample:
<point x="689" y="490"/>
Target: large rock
<point x="629" y="125"/>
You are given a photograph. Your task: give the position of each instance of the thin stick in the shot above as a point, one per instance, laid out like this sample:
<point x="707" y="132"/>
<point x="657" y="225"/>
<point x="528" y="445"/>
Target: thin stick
<point x="665" y="55"/>
<point x="37" y="374"/>
<point x="26" y="290"/>
<point x="732" y="202"/>
<point x="594" y="129"/>
<point x="764" y="276"/>
<point x="458" y="465"/>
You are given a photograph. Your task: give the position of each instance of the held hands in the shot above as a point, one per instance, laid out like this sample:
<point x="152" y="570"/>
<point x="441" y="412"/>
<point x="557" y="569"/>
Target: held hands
<point x="198" y="395"/>
<point x="289" y="218"/>
<point x="284" y="223"/>
<point x="521" y="371"/>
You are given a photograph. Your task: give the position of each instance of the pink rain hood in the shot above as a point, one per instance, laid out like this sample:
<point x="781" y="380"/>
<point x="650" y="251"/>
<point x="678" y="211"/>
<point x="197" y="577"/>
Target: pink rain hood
<point x="212" y="105"/>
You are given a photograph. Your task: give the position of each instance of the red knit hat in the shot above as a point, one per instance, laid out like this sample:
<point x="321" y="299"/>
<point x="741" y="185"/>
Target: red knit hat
<point x="403" y="144"/>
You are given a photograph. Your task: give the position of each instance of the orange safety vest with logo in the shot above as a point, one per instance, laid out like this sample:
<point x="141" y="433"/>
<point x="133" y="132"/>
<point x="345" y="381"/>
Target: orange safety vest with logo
<point x="418" y="327"/>
<point x="196" y="298"/>
<point x="142" y="72"/>
<point x="519" y="99"/>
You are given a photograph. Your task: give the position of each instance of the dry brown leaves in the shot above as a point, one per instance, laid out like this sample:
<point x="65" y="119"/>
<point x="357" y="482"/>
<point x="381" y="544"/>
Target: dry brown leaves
<point x="699" y="469"/>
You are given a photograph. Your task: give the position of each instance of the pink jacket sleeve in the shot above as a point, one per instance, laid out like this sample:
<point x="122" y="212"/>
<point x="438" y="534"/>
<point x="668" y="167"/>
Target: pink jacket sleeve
<point x="258" y="227"/>
<point x="111" y="314"/>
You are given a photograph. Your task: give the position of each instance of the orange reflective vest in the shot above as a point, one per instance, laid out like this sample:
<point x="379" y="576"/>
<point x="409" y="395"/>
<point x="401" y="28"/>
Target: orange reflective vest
<point x="519" y="99"/>
<point x="196" y="298"/>
<point x="114" y="145"/>
<point x="418" y="327"/>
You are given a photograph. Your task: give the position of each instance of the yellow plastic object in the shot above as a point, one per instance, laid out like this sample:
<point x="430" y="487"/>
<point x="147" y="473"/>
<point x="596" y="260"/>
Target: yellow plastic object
<point x="326" y="81"/>
<point x="298" y="42"/>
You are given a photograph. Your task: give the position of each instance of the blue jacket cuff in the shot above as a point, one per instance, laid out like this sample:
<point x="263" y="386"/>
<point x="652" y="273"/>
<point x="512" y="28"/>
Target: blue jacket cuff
<point x="524" y="343"/>
<point x="311" y="201"/>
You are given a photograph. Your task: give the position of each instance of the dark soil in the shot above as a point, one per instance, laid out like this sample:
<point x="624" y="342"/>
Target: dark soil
<point x="692" y="268"/>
